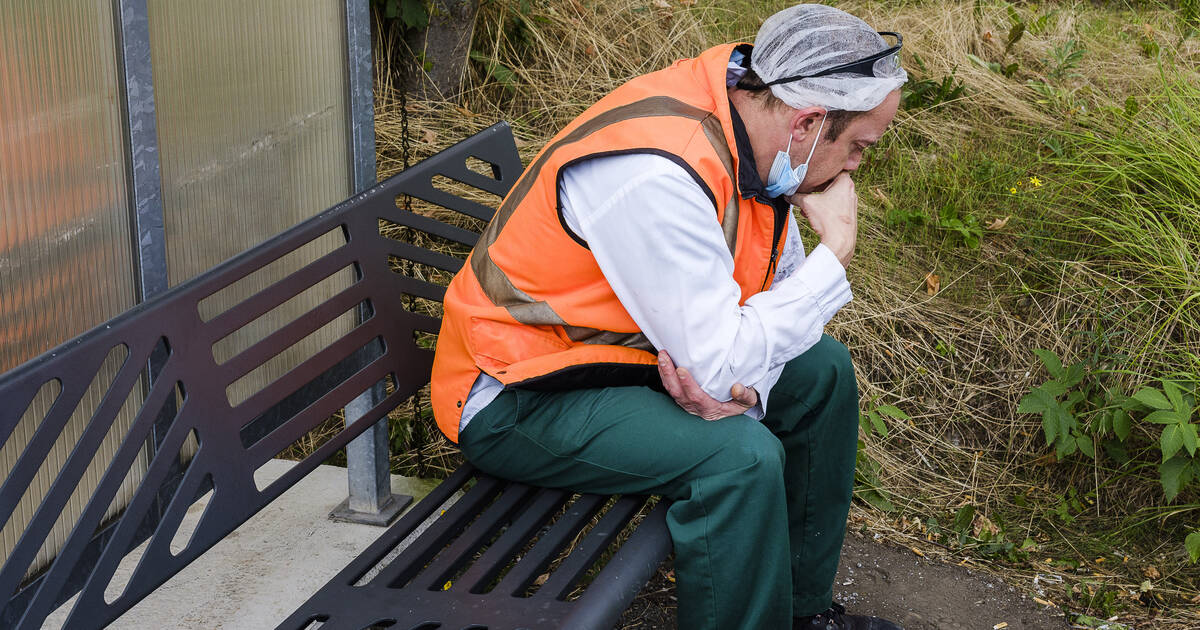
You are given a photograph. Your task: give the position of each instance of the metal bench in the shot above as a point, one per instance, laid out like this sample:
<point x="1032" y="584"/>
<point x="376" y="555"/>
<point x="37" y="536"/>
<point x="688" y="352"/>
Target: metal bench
<point x="483" y="553"/>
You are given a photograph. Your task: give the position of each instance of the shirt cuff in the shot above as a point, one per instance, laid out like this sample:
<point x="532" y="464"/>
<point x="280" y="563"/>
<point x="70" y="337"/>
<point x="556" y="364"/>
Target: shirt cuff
<point x="825" y="278"/>
<point x="763" y="387"/>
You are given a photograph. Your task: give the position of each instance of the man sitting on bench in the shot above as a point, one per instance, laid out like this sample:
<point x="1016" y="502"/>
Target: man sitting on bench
<point x="640" y="315"/>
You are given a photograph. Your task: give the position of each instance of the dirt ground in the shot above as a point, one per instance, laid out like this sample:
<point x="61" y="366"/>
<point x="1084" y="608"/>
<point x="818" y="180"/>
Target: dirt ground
<point x="894" y="583"/>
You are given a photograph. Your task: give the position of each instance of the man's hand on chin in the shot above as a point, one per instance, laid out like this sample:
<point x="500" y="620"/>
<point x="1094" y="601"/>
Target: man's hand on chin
<point x="688" y="395"/>
<point x="833" y="215"/>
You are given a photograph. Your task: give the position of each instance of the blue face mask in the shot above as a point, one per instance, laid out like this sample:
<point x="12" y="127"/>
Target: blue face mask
<point x="783" y="179"/>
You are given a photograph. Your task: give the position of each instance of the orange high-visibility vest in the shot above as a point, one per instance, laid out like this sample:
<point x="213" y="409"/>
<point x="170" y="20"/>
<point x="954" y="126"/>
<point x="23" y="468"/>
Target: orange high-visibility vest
<point x="531" y="307"/>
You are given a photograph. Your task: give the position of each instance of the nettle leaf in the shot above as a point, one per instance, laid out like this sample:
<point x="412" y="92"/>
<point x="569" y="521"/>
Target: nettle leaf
<point x="1122" y="424"/>
<point x="964" y="518"/>
<point x="1192" y="543"/>
<point x="1163" y="416"/>
<point x="889" y="410"/>
<point x="1049" y="359"/>
<point x="1066" y="421"/>
<point x="1066" y="446"/>
<point x="1188" y="431"/>
<point x="1036" y="401"/>
<point x="1049" y="427"/>
<point x="1074" y="375"/>
<point x="1086" y="445"/>
<point x="1174" y="394"/>
<point x="1152" y="398"/>
<point x="877" y="499"/>
<point x="1174" y="474"/>
<point x="879" y="425"/>
<point x="1171" y="441"/>
<point x="1053" y="388"/>
<point x="414" y="14"/>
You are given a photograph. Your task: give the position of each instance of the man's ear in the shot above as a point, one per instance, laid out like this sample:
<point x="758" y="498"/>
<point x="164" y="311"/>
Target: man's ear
<point x="804" y="122"/>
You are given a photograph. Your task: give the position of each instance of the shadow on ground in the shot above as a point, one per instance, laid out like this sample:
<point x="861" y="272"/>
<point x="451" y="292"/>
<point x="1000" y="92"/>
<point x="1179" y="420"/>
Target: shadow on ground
<point x="891" y="582"/>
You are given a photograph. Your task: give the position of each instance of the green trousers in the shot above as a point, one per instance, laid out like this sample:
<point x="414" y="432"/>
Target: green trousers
<point x="759" y="508"/>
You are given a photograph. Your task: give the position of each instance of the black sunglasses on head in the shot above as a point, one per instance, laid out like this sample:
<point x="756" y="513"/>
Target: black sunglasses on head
<point x="864" y="67"/>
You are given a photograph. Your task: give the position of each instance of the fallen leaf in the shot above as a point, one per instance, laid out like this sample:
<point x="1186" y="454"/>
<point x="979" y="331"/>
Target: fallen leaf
<point x="1000" y="626"/>
<point x="933" y="283"/>
<point x="987" y="36"/>
<point x="998" y="224"/>
<point x="661" y="4"/>
<point x="917" y="551"/>
<point x="1043" y="601"/>
<point x="984" y="524"/>
<point x="430" y="136"/>
<point x="590" y="50"/>
<point x="541" y="579"/>
<point x="687" y="3"/>
<point x="1151" y="573"/>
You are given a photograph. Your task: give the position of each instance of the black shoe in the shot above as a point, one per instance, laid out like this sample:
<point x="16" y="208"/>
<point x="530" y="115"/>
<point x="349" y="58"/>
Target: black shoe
<point x="836" y="619"/>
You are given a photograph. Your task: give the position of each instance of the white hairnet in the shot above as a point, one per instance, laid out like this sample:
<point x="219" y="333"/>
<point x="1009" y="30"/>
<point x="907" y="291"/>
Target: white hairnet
<point x="809" y="38"/>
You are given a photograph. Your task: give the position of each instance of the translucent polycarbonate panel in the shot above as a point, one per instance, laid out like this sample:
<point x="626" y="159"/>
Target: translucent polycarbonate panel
<point x="65" y="258"/>
<point x="252" y="121"/>
<point x="253" y="135"/>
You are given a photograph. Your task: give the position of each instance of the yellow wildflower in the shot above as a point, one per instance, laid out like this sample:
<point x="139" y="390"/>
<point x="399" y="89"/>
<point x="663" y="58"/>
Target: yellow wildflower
<point x="1035" y="181"/>
<point x="447" y="585"/>
<point x="1012" y="190"/>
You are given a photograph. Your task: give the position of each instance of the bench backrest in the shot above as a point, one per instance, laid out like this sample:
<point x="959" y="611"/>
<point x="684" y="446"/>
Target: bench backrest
<point x="169" y="352"/>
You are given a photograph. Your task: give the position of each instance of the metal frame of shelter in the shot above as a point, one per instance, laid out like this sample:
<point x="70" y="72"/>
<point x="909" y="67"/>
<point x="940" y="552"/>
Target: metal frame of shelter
<point x="370" y="498"/>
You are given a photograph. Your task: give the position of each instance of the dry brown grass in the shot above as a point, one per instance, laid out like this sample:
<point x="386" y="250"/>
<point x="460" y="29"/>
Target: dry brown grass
<point x="956" y="362"/>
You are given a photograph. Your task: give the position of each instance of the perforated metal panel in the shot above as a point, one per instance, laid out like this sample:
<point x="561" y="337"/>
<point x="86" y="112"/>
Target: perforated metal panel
<point x="189" y="395"/>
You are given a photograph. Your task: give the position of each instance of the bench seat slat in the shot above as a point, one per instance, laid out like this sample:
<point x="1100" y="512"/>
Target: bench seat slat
<point x="437" y="575"/>
<point x="549" y="545"/>
<point x="502" y="552"/>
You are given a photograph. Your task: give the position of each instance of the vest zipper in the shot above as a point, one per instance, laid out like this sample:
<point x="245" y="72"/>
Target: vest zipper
<point x="777" y="233"/>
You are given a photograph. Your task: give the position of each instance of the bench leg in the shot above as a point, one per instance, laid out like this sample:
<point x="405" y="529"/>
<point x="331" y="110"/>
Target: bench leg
<point x="371" y="500"/>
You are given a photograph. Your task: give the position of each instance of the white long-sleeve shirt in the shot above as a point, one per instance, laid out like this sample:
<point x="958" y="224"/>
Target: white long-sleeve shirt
<point x="655" y="237"/>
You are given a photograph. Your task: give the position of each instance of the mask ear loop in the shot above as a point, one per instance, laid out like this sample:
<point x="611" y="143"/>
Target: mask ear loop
<point x="814" y="146"/>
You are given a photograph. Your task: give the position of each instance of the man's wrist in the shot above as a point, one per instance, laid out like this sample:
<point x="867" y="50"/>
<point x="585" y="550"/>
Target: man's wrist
<point x="841" y="250"/>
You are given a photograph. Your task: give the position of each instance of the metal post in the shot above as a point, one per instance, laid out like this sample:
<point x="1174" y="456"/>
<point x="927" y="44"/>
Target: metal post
<point x="371" y="500"/>
<point x="145" y="183"/>
<point x="141" y="135"/>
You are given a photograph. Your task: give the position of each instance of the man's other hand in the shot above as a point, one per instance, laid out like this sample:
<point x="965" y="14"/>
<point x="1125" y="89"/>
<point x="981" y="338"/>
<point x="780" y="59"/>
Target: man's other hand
<point x="688" y="395"/>
<point x="833" y="215"/>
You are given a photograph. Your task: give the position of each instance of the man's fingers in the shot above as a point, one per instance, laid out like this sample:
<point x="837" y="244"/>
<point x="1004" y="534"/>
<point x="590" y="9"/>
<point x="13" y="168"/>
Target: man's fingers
<point x="682" y="386"/>
<point x="690" y="388"/>
<point x="666" y="371"/>
<point x="745" y="396"/>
